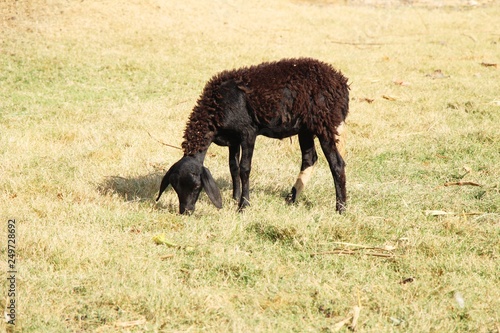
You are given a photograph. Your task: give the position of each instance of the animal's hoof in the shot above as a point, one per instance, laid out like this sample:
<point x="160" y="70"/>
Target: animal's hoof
<point x="241" y="209"/>
<point x="290" y="198"/>
<point x="243" y="204"/>
<point x="341" y="207"/>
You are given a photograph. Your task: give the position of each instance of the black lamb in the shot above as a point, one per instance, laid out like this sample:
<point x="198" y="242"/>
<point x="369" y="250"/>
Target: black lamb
<point x="276" y="99"/>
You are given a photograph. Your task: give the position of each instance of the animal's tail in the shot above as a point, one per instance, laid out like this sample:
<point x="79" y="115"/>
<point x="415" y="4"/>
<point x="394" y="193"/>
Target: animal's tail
<point x="341" y="138"/>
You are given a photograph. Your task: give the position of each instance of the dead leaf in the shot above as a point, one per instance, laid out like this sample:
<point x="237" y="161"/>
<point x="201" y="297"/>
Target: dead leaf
<point x="437" y="74"/>
<point x="407" y="280"/>
<point x="134" y="230"/>
<point x="338" y="326"/>
<point x="389" y="247"/>
<point x="389" y="98"/>
<point x="366" y="99"/>
<point x="487" y="64"/>
<point x="459" y="299"/>
<point x="396" y="321"/>
<point x="355" y="317"/>
<point x="437" y="213"/>
<point x="401" y="83"/>
<point x="161" y="240"/>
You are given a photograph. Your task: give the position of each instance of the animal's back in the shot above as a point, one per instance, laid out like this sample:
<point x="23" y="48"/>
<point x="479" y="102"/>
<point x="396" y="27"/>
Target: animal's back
<point x="282" y="97"/>
<point x="293" y="92"/>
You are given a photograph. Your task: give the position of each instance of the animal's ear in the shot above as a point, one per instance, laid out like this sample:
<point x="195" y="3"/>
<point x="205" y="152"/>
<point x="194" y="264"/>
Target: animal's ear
<point x="211" y="188"/>
<point x="164" y="183"/>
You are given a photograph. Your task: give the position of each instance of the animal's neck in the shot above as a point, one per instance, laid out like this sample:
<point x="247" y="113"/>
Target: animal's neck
<point x="197" y="139"/>
<point x="200" y="156"/>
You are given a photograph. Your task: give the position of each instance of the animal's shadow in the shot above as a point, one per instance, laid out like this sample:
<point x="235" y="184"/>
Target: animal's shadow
<point x="144" y="188"/>
<point x="281" y="194"/>
<point x="136" y="188"/>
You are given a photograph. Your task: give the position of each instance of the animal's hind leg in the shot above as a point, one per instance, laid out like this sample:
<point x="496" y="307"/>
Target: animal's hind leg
<point x="234" y="168"/>
<point x="309" y="158"/>
<point x="337" y="167"/>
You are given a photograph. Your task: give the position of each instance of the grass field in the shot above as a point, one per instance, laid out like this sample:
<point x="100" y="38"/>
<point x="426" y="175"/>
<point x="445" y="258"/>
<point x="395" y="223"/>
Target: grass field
<point x="88" y="88"/>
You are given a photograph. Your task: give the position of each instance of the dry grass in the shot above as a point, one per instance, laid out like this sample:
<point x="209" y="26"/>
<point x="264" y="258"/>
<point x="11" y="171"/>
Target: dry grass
<point x="81" y="84"/>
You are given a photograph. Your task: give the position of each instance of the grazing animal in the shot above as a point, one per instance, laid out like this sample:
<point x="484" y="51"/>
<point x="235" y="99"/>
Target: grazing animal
<point x="303" y="97"/>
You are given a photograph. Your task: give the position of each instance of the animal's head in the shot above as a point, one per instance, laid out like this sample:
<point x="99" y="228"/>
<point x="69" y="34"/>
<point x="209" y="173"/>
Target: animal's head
<point x="188" y="177"/>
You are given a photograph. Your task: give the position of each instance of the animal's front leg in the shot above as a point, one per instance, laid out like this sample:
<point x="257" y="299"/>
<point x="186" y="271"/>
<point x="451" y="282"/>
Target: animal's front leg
<point x="245" y="167"/>
<point x="234" y="168"/>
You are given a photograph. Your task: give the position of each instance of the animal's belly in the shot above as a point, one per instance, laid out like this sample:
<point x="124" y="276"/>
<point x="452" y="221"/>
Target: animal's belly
<point x="278" y="133"/>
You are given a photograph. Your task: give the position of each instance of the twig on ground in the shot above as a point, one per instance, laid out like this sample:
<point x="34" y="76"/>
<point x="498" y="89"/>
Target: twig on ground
<point x="462" y="184"/>
<point x="353" y="244"/>
<point x="163" y="143"/>
<point x="440" y="213"/>
<point x="352" y="252"/>
<point x="367" y="247"/>
<point x="483" y="215"/>
<point x="131" y="323"/>
<point x="167" y="256"/>
<point x="375" y="251"/>
<point x="474" y="39"/>
<point x="359" y="43"/>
